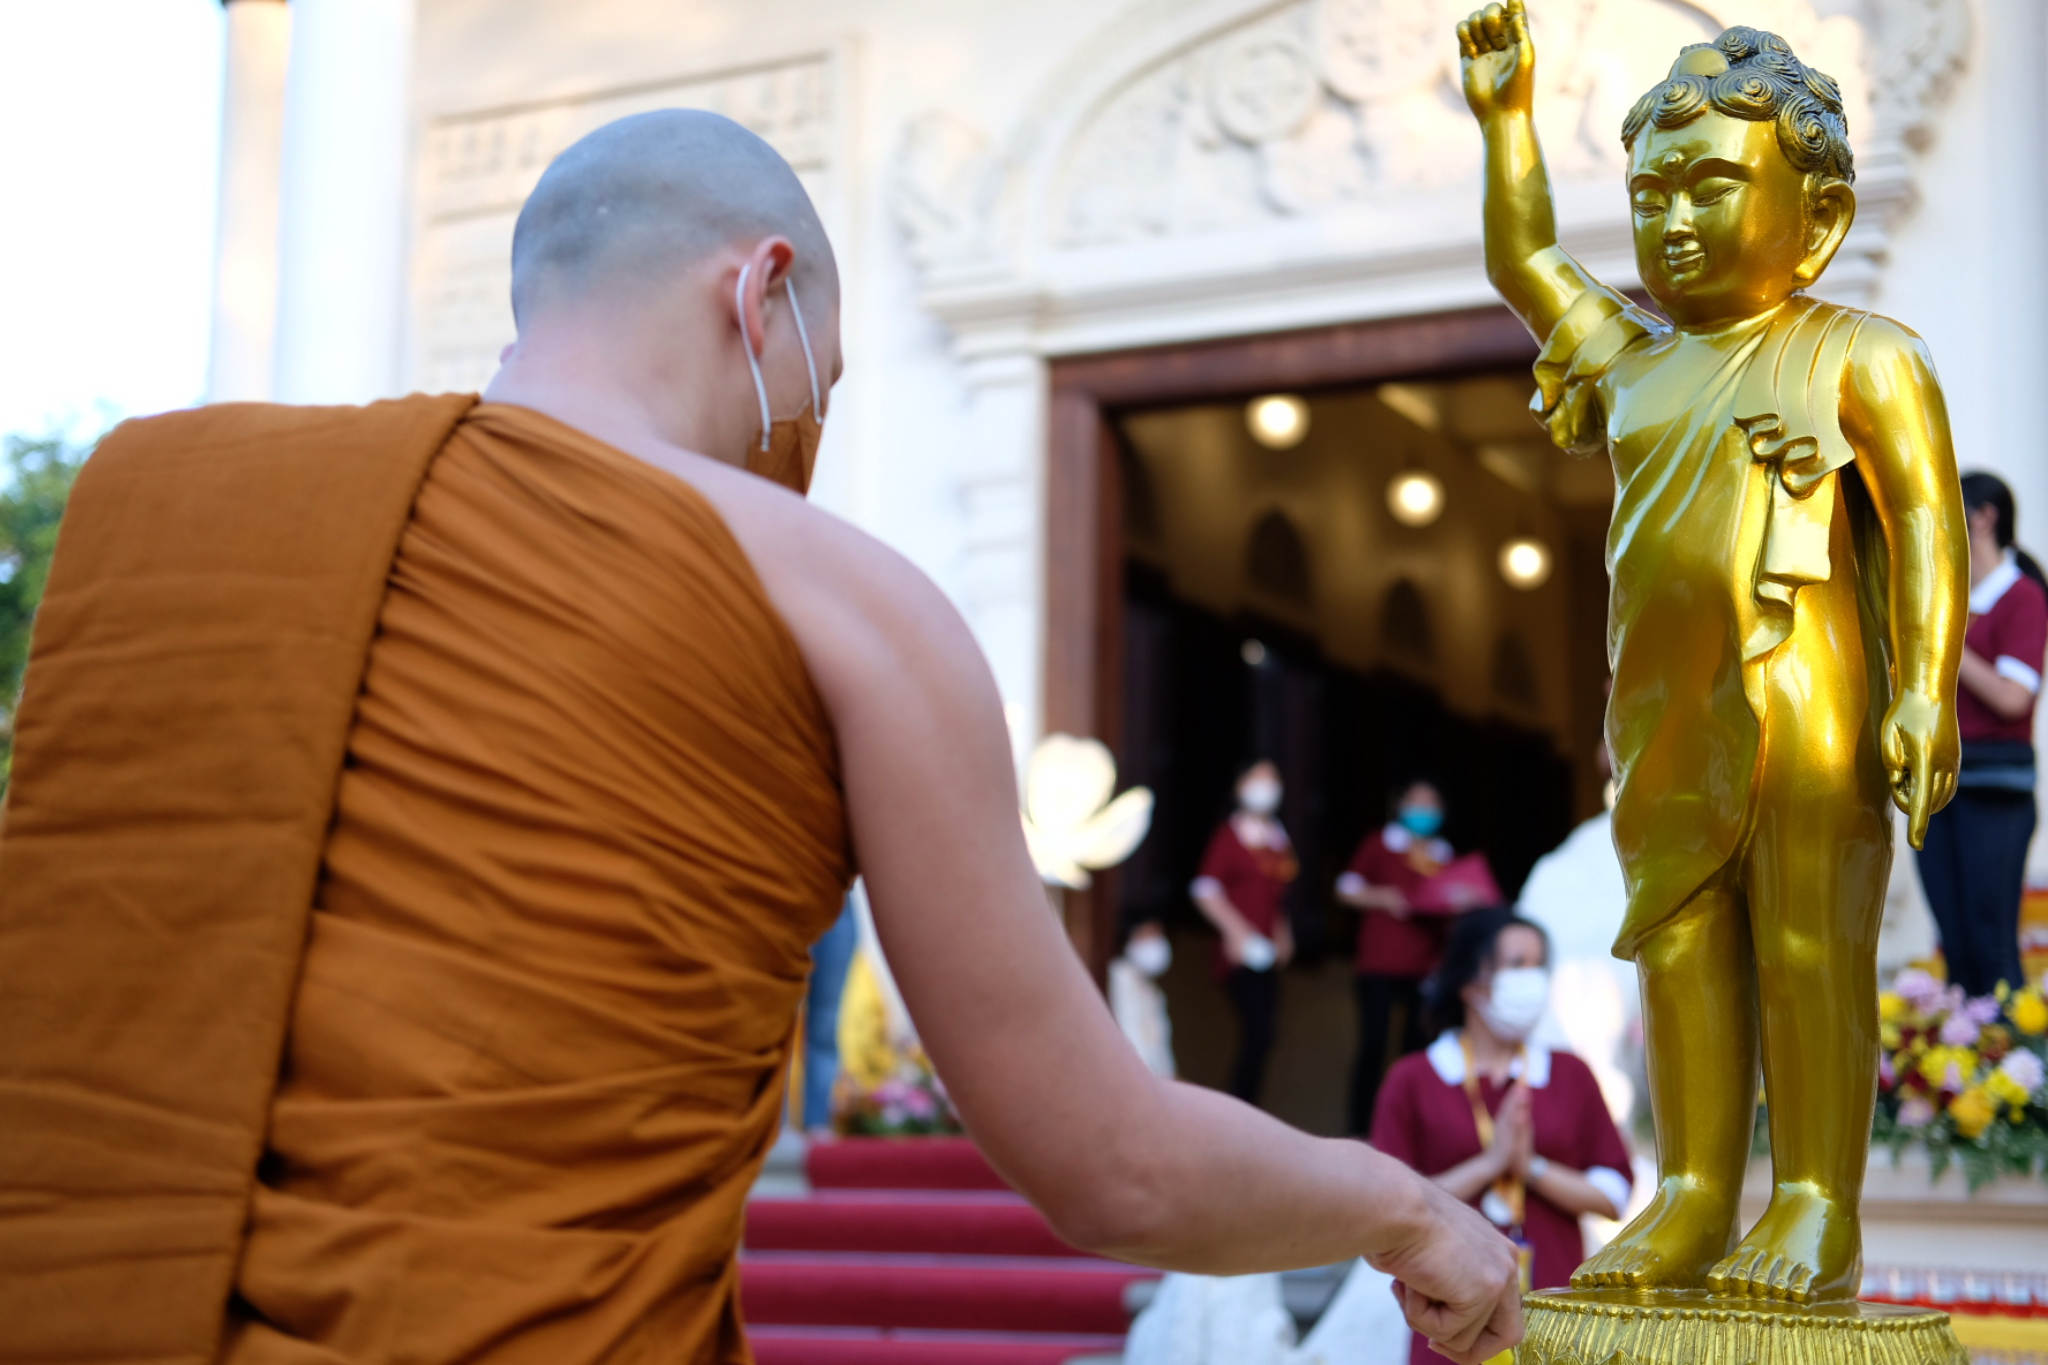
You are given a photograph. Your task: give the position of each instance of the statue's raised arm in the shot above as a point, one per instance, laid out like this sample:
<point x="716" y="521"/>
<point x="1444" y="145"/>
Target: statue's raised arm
<point x="1523" y="260"/>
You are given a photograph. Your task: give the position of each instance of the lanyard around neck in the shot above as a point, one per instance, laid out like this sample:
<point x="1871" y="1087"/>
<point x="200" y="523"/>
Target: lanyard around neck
<point x="1510" y="1186"/>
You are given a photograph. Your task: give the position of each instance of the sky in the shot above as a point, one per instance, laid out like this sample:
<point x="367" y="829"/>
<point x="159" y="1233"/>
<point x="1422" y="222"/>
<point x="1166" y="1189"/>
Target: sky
<point x="109" y="145"/>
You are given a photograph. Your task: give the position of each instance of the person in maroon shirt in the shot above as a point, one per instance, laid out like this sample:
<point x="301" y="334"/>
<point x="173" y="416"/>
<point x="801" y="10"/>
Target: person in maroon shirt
<point x="1974" y="861"/>
<point x="1397" y="947"/>
<point x="1241" y="889"/>
<point x="1515" y="1129"/>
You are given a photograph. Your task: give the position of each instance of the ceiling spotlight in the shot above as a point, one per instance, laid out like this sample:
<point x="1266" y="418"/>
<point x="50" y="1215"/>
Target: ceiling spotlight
<point x="1415" y="498"/>
<point x="1253" y="653"/>
<point x="1525" y="562"/>
<point x="1279" y="421"/>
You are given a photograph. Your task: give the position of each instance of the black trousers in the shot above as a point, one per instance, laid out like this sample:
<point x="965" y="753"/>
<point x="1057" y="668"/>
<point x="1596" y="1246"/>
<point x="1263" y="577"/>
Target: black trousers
<point x="1257" y="997"/>
<point x="1389" y="1028"/>
<point x="1974" y="870"/>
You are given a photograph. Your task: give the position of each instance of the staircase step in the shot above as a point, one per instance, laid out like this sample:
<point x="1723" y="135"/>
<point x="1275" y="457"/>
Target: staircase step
<point x="851" y="1346"/>
<point x="982" y="1223"/>
<point x="923" y="1163"/>
<point x="959" y="1293"/>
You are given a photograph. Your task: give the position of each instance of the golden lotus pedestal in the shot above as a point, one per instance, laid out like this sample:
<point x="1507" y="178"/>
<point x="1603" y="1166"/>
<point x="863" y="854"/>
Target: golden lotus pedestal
<point x="1624" y="1327"/>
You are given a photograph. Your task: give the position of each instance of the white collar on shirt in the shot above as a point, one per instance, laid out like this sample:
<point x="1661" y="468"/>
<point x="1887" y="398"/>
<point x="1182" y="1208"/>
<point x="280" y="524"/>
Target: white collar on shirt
<point x="1447" y="1058"/>
<point x="1996" y="584"/>
<point x="1258" y="831"/>
<point x="1398" y="840"/>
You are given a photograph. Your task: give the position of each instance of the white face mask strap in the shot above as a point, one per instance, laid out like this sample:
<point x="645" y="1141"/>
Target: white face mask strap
<point x="753" y="362"/>
<point x="810" y="363"/>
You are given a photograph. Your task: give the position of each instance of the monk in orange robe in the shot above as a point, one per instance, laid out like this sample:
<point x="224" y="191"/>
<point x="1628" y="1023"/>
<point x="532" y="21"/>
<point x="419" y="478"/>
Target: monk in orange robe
<point x="421" y="814"/>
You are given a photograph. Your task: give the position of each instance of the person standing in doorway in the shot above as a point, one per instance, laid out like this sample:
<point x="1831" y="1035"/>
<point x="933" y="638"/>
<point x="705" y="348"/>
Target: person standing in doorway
<point x="1974" y="862"/>
<point x="1399" y="942"/>
<point x="1241" y="889"/>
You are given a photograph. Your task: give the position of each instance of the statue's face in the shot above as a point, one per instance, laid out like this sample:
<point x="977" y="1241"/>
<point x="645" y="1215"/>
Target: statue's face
<point x="1722" y="225"/>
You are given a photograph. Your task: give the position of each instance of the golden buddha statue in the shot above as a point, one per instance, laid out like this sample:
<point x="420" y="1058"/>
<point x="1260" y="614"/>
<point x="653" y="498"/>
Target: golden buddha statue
<point x="1787" y="602"/>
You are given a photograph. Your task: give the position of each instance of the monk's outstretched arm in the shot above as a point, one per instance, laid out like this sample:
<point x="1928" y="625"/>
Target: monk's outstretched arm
<point x="1894" y="414"/>
<point x="1121" y="1162"/>
<point x="1537" y="277"/>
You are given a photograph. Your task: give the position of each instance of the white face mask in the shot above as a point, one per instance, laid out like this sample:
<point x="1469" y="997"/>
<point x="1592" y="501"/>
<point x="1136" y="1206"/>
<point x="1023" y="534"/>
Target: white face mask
<point x="1516" y="1002"/>
<point x="1150" y="955"/>
<point x="1260" y="796"/>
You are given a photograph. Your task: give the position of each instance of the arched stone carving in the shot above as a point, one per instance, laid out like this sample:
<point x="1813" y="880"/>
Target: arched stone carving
<point x="1204" y="117"/>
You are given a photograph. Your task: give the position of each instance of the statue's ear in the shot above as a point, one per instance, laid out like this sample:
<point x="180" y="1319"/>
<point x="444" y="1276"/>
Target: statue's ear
<point x="1827" y="223"/>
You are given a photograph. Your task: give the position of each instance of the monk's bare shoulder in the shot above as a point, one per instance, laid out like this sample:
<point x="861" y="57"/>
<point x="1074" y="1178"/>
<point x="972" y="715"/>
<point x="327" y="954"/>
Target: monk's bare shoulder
<point x="863" y="615"/>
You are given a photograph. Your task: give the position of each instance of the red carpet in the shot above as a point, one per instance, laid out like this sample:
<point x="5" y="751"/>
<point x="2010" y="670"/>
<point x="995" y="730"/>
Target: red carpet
<point x="912" y="1252"/>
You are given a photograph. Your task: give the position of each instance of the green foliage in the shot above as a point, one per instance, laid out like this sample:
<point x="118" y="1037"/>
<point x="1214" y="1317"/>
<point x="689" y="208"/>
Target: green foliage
<point x="35" y="479"/>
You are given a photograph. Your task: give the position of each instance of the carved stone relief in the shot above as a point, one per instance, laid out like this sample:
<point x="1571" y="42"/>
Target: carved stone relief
<point x="1301" y="108"/>
<point x="1326" y="102"/>
<point x="476" y="170"/>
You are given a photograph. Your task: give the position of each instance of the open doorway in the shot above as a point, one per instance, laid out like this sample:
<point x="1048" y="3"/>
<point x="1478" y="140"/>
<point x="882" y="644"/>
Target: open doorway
<point x="1244" y="600"/>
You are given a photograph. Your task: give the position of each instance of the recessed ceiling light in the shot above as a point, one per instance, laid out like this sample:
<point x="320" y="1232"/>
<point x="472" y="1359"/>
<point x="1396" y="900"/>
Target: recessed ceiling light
<point x="1416" y="498"/>
<point x="1525" y="562"/>
<point x="1279" y="421"/>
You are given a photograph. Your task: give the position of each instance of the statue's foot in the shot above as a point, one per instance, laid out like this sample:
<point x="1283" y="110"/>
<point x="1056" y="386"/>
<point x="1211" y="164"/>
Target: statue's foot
<point x="1669" y="1245"/>
<point x="1804" y="1248"/>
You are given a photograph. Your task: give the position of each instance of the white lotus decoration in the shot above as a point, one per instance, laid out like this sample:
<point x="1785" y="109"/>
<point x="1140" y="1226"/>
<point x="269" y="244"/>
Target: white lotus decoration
<point x="1071" y="823"/>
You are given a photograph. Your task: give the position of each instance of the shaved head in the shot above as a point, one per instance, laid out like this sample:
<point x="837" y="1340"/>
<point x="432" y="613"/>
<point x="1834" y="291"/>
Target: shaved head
<point x="648" y="196"/>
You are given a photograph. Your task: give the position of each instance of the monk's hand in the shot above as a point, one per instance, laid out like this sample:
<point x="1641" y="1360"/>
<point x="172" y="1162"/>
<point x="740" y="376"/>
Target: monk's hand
<point x="1458" y="1279"/>
<point x="1499" y="61"/>
<point x="1922" y="751"/>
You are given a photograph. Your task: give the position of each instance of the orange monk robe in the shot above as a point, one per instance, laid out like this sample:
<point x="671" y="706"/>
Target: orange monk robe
<point x="535" y="1024"/>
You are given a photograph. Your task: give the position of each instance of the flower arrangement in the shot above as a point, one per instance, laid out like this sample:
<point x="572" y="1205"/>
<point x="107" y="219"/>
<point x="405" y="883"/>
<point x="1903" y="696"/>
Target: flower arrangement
<point x="1965" y="1079"/>
<point x="909" y="1102"/>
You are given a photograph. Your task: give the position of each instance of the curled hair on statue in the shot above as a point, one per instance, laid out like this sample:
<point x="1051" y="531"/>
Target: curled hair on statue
<point x="1750" y="74"/>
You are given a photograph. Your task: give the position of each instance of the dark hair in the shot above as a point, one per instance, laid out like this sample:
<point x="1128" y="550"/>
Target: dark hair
<point x="1747" y="73"/>
<point x="1474" y="938"/>
<point x="1988" y="490"/>
<point x="1409" y="784"/>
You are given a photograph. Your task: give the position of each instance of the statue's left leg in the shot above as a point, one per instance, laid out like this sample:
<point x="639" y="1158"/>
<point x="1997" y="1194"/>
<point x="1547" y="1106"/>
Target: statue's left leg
<point x="1816" y="874"/>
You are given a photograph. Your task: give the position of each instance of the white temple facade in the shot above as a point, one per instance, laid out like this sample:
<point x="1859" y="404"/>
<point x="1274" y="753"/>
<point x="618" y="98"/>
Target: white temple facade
<point x="1012" y="184"/>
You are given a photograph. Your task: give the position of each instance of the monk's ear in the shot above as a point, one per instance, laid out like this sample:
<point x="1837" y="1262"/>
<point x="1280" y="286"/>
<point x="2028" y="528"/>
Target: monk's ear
<point x="1828" y="220"/>
<point x="761" y="272"/>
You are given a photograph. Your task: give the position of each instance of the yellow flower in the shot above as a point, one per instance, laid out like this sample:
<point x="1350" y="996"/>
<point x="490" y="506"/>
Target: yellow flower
<point x="2029" y="1012"/>
<point x="1891" y="1008"/>
<point x="2006" y="1090"/>
<point x="1972" y="1112"/>
<point x="1934" y="1065"/>
<point x="1889" y="1035"/>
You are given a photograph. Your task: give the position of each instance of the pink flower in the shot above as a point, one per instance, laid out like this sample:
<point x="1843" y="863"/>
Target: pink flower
<point x="1959" y="1030"/>
<point x="1952" y="1079"/>
<point x="892" y="1115"/>
<point x="1985" y="1009"/>
<point x="1917" y="988"/>
<point x="2024" y="1069"/>
<point x="1886" y="1072"/>
<point x="1915" y="1113"/>
<point x="920" y="1105"/>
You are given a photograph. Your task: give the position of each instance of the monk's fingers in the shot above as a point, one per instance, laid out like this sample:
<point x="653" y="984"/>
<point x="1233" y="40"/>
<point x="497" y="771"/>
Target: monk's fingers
<point x="1503" y="1330"/>
<point x="1465" y="44"/>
